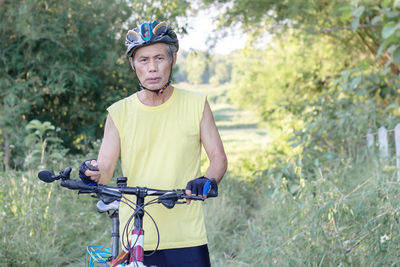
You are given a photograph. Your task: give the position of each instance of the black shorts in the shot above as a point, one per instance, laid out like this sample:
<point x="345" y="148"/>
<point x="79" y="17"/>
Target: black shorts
<point x="179" y="257"/>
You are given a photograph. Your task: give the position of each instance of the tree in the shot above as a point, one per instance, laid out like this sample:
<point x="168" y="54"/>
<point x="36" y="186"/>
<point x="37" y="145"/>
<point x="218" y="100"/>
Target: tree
<point x="355" y="24"/>
<point x="60" y="64"/>
<point x="179" y="73"/>
<point x="196" y="67"/>
<point x="64" y="62"/>
<point x="329" y="71"/>
<point x="221" y="68"/>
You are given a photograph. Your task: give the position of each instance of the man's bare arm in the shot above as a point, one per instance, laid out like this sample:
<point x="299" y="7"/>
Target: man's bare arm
<point x="108" y="155"/>
<point x="109" y="151"/>
<point x="213" y="146"/>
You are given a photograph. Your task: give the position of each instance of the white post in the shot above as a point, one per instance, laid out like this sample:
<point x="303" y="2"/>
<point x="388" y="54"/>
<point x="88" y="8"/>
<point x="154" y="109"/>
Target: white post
<point x="370" y="139"/>
<point x="397" y="141"/>
<point x="383" y="142"/>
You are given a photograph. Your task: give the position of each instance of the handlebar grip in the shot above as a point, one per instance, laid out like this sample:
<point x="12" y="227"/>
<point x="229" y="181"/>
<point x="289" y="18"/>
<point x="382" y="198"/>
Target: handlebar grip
<point x="195" y="198"/>
<point x="76" y="185"/>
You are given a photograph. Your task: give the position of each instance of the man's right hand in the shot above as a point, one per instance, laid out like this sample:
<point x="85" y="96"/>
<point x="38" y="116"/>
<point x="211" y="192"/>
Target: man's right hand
<point x="89" y="172"/>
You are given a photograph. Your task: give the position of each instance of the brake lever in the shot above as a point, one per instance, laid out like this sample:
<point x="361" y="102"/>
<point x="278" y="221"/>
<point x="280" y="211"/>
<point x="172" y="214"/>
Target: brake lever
<point x="169" y="199"/>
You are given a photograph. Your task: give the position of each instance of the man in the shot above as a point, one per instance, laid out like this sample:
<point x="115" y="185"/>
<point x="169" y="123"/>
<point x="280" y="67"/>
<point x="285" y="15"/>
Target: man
<point x="158" y="132"/>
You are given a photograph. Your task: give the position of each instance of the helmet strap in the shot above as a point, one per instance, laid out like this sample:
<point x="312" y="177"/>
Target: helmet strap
<point x="156" y="91"/>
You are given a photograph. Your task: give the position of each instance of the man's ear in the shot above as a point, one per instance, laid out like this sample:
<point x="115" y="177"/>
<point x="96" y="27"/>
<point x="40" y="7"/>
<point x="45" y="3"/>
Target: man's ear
<point x="132" y="64"/>
<point x="174" y="59"/>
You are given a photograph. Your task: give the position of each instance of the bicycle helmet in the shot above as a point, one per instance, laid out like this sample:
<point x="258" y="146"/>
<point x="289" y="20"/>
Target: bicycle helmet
<point x="150" y="33"/>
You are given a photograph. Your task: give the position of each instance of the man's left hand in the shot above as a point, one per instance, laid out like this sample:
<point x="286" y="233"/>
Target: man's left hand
<point x="195" y="187"/>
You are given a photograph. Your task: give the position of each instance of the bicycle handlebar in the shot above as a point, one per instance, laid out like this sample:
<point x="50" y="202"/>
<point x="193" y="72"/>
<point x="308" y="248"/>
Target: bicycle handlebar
<point x="111" y="193"/>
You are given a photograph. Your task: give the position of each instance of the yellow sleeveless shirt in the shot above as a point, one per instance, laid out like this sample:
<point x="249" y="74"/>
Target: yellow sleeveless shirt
<point x="161" y="149"/>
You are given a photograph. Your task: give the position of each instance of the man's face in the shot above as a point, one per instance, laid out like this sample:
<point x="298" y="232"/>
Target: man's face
<point x="153" y="65"/>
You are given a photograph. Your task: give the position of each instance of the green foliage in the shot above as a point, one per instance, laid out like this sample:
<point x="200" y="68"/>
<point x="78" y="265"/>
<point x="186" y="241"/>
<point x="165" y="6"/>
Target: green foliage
<point x="221" y="68"/>
<point x="197" y="67"/>
<point x="193" y="67"/>
<point x="258" y="16"/>
<point x="60" y="64"/>
<point x="285" y="76"/>
<point x="328" y="93"/>
<point x="64" y="62"/>
<point x="42" y="145"/>
<point x="388" y="16"/>
<point x="162" y="10"/>
<point x="329" y="201"/>
<point x="45" y="224"/>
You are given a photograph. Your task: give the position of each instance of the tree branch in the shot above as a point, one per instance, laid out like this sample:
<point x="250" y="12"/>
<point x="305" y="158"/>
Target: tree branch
<point x="362" y="26"/>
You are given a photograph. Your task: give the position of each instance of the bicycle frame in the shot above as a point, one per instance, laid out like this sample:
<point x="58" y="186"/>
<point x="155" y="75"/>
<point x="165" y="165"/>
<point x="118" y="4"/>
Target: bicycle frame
<point x="136" y="243"/>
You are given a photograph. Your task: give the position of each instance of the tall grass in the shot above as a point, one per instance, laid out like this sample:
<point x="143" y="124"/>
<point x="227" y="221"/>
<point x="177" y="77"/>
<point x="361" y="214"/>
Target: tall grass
<point x="322" y="223"/>
<point x="45" y="225"/>
<point x="253" y="223"/>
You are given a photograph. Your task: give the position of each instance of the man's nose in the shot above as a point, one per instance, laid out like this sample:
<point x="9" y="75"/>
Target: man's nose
<point x="153" y="65"/>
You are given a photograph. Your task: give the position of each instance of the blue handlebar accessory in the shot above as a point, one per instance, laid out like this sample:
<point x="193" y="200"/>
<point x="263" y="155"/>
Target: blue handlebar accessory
<point x="206" y="188"/>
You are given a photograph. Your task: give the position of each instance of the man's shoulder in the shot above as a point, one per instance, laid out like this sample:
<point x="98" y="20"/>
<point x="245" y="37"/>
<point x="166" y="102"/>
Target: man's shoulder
<point x="190" y="93"/>
<point x="123" y="101"/>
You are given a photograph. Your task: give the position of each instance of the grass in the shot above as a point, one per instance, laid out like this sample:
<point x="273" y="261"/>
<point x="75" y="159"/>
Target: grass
<point x="258" y="223"/>
<point x="322" y="224"/>
<point x="42" y="224"/>
<point x="239" y="129"/>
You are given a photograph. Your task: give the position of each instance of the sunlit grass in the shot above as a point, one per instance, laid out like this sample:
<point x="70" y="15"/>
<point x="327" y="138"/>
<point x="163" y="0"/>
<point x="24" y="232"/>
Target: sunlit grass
<point x="239" y="129"/>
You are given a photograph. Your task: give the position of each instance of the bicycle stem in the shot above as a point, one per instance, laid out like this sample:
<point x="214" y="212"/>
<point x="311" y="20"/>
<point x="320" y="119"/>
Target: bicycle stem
<point x="138" y="222"/>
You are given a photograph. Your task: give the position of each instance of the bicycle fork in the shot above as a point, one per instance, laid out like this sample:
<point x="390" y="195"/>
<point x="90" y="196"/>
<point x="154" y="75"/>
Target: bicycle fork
<point x="137" y="247"/>
<point x="135" y="255"/>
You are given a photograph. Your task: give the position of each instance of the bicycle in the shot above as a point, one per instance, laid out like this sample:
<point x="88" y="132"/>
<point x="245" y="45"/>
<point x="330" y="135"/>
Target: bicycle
<point x="110" y="197"/>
